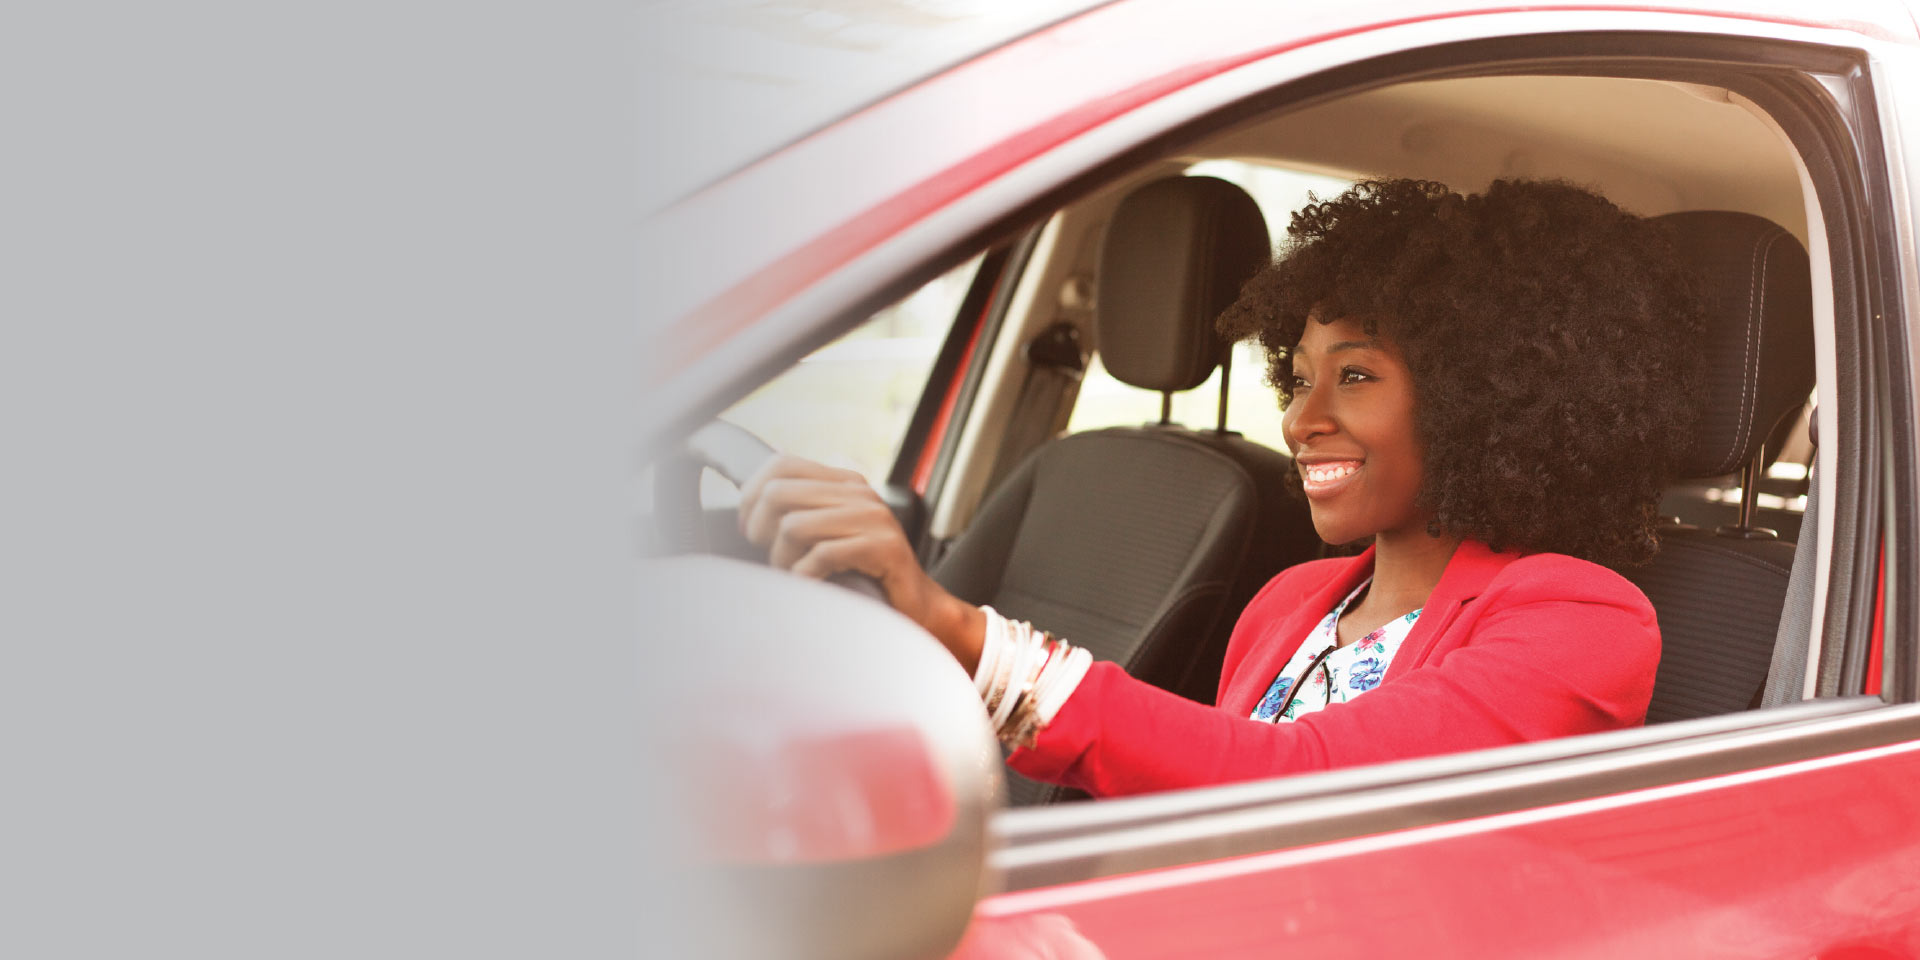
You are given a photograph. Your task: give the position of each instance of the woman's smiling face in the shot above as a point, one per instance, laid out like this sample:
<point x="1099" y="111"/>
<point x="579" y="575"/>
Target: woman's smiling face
<point x="1350" y="427"/>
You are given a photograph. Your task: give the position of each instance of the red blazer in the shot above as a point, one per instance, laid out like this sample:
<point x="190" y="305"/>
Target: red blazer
<point x="1509" y="648"/>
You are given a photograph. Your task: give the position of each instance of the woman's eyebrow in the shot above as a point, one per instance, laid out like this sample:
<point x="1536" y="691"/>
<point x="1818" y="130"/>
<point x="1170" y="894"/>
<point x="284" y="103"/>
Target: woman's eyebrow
<point x="1338" y="346"/>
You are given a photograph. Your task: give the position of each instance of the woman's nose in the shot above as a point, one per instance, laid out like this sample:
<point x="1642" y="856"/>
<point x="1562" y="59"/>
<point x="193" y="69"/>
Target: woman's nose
<point x="1308" y="416"/>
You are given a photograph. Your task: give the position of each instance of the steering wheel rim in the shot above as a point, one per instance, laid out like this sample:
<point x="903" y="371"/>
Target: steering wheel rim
<point x="727" y="449"/>
<point x="736" y="454"/>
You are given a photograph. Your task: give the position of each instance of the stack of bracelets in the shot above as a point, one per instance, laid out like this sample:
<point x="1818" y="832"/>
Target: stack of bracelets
<point x="1025" y="675"/>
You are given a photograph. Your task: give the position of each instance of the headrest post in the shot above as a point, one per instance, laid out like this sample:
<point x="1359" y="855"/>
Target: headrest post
<point x="1226" y="367"/>
<point x="1166" y="407"/>
<point x="1749" y="493"/>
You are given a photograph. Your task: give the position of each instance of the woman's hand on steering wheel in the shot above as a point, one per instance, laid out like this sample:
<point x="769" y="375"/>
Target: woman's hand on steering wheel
<point x="817" y="521"/>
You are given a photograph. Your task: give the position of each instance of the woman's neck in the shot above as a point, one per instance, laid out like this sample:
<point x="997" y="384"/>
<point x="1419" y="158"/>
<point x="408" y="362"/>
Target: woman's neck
<point x="1406" y="568"/>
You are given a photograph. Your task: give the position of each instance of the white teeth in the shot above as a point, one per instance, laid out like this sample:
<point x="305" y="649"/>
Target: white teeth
<point x="1330" y="473"/>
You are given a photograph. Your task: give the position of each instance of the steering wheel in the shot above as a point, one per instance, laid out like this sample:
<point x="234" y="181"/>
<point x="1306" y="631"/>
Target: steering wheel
<point x="735" y="454"/>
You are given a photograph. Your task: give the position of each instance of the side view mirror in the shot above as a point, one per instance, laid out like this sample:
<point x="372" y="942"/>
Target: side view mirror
<point x="831" y="761"/>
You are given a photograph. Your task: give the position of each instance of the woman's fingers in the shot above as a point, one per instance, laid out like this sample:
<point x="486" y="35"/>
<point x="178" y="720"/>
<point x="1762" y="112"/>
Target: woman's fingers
<point x="790" y="483"/>
<point x="817" y="521"/>
<point x="868" y="528"/>
<point x="884" y="558"/>
<point x="793" y="506"/>
<point x="865" y="552"/>
<point x="786" y="467"/>
<point x="760" y="518"/>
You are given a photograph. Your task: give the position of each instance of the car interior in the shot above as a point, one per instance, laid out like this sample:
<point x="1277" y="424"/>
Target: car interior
<point x="1143" y="540"/>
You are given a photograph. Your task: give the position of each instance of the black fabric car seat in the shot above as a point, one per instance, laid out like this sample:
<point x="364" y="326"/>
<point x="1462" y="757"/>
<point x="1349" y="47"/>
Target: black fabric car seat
<point x="1718" y="592"/>
<point x="1142" y="544"/>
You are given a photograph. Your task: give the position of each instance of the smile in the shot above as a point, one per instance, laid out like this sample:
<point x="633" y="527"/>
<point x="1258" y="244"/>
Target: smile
<point x="1321" y="479"/>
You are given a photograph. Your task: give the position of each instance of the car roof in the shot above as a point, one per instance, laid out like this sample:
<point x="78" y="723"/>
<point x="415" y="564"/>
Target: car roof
<point x="723" y="83"/>
<point x="718" y="260"/>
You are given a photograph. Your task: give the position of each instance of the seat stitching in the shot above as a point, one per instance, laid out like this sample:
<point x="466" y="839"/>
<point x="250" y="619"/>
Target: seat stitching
<point x="1746" y="364"/>
<point x="1751" y="397"/>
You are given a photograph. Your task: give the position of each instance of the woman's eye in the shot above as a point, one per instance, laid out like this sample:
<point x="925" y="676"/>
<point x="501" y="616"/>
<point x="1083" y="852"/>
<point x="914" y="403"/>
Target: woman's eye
<point x="1350" y="375"/>
<point x="1297" y="383"/>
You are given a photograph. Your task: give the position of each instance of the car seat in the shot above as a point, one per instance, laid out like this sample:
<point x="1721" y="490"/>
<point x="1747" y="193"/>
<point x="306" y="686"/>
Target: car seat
<point x="1718" y="592"/>
<point x="1142" y="544"/>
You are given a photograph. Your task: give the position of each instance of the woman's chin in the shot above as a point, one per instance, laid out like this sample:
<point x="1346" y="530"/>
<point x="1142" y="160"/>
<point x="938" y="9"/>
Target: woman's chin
<point x="1336" y="534"/>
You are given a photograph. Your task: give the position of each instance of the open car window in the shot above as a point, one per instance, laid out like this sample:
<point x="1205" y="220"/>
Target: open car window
<point x="1102" y="401"/>
<point x="848" y="403"/>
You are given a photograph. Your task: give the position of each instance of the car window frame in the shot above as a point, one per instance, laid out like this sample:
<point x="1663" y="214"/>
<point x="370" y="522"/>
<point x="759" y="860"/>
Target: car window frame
<point x="1049" y="846"/>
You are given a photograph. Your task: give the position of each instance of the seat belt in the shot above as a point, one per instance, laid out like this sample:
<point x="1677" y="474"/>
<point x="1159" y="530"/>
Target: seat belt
<point x="1787" y="677"/>
<point x="1055" y="364"/>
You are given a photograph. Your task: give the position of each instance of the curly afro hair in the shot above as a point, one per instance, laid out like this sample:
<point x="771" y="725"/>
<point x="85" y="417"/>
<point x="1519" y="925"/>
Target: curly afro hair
<point x="1549" y="335"/>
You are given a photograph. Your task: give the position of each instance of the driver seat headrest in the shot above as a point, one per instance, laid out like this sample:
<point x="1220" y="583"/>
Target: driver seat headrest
<point x="1758" y="346"/>
<point x="1176" y="253"/>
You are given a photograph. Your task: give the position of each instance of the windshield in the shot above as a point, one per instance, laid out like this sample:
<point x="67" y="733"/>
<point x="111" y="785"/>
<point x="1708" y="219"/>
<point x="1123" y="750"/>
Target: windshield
<point x="724" y="82"/>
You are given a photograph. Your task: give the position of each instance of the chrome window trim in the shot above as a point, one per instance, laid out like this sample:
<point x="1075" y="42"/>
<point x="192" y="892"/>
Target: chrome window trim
<point x="1039" y="824"/>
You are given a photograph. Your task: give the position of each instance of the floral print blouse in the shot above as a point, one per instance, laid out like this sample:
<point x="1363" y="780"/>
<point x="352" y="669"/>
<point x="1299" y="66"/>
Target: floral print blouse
<point x="1345" y="673"/>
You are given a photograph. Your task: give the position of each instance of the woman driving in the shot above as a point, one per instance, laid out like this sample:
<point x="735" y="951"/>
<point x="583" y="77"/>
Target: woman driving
<point x="1488" y="389"/>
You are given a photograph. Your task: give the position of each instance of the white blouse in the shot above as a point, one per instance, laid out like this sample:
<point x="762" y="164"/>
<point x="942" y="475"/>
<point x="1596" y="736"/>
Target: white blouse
<point x="1342" y="674"/>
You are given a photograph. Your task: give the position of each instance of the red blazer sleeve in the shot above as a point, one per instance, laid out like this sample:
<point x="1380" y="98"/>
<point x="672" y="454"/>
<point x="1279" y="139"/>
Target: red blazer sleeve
<point x="1554" y="647"/>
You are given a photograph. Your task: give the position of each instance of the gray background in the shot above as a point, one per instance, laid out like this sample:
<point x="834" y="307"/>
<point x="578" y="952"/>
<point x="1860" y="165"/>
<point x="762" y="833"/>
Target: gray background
<point x="315" y="634"/>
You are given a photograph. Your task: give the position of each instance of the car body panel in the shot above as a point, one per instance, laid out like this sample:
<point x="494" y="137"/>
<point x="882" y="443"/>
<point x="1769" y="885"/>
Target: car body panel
<point x="1793" y="860"/>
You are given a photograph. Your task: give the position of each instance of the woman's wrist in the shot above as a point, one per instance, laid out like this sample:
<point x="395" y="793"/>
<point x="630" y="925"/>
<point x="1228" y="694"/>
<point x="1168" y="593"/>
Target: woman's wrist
<point x="1024" y="677"/>
<point x="961" y="627"/>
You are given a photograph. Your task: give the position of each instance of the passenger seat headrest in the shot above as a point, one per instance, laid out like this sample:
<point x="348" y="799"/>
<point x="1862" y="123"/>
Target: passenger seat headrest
<point x="1175" y="256"/>
<point x="1758" y="362"/>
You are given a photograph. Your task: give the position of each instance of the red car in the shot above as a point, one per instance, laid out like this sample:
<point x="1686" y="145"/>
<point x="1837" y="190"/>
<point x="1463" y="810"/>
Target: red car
<point x="887" y="246"/>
